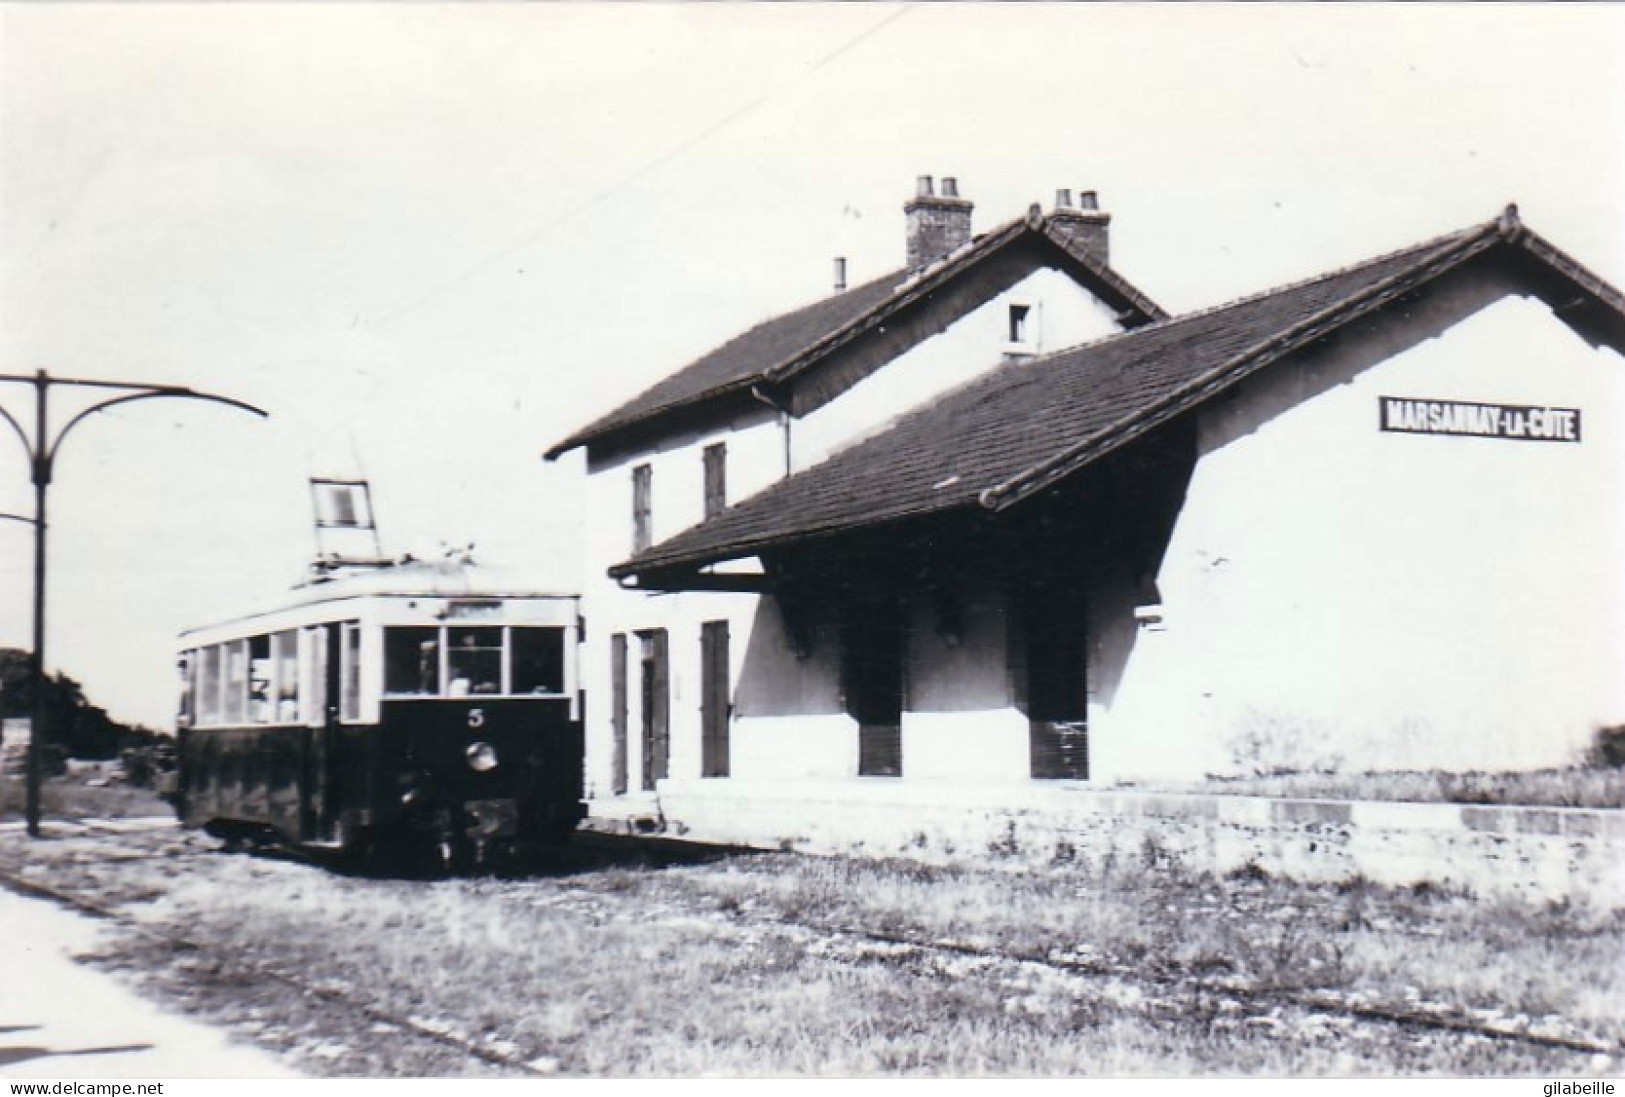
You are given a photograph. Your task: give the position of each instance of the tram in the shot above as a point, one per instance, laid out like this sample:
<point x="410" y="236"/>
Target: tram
<point x="412" y="710"/>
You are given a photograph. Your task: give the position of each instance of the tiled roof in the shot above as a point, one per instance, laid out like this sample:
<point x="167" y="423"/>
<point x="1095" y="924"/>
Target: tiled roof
<point x="1025" y="425"/>
<point x="777" y="349"/>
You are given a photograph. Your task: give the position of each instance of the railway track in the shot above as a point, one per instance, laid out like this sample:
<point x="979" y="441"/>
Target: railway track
<point x="656" y="852"/>
<point x="1318" y="1001"/>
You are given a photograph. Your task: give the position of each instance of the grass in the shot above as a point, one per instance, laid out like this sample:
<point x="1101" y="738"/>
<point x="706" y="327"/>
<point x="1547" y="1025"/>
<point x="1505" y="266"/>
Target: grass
<point x="739" y="965"/>
<point x="71" y="798"/>
<point x="1390" y="945"/>
<point x="1580" y="787"/>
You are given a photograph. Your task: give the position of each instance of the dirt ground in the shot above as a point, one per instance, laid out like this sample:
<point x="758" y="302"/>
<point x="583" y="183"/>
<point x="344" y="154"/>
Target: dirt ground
<point x="632" y="957"/>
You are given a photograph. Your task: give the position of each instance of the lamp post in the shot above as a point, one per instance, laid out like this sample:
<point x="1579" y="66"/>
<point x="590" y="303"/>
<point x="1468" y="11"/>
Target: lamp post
<point x="42" y="449"/>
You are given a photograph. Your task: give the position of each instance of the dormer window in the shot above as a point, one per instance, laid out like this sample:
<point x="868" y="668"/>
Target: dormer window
<point x="716" y="479"/>
<point x="1021" y="325"/>
<point x="642" y="508"/>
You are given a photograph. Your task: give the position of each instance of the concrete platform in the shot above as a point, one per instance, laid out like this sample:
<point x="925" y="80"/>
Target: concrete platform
<point x="60" y="1019"/>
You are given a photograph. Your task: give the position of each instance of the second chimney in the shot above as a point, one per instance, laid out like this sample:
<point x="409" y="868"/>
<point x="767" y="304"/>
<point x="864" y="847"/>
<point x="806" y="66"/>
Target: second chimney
<point x="1084" y="224"/>
<point x="938" y="225"/>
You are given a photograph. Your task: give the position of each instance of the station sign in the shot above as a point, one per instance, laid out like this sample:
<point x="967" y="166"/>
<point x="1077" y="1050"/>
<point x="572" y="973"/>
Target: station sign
<point x="1408" y="415"/>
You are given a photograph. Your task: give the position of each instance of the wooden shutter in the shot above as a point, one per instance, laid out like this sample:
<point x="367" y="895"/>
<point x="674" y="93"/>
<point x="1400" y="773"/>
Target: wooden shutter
<point x="716" y="479"/>
<point x="714" y="699"/>
<point x="872" y="645"/>
<point x="617" y="712"/>
<point x="656" y="708"/>
<point x="1059" y="749"/>
<point x="642" y="508"/>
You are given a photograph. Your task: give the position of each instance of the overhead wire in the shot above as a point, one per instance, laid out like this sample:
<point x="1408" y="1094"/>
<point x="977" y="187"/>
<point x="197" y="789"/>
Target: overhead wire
<point x="641" y="171"/>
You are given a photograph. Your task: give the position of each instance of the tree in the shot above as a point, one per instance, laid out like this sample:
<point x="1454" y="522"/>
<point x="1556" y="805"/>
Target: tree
<point x="79" y="728"/>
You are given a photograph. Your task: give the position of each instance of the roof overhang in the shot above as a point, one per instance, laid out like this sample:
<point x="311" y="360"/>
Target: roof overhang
<point x="1574" y="293"/>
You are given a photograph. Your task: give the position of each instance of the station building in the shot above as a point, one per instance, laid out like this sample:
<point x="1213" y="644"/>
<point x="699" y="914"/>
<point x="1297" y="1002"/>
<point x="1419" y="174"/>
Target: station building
<point x="997" y="521"/>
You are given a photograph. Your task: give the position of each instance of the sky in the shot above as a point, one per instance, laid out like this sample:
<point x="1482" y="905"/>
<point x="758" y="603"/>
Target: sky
<point x="431" y="240"/>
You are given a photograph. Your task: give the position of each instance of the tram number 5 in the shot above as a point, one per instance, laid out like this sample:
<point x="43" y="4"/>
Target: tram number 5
<point x="476" y="717"/>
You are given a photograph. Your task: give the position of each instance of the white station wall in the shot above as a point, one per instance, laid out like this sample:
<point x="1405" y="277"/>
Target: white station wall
<point x="766" y="739"/>
<point x="1061" y="314"/>
<point x="1340" y="597"/>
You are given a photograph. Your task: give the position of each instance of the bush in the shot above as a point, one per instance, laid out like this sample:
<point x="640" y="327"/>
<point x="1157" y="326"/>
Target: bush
<point x="144" y="764"/>
<point x="1607" y="748"/>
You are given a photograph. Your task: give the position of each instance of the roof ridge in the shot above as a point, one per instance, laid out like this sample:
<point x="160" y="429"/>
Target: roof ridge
<point x="1099" y="268"/>
<point x="1438" y="242"/>
<point x="1108" y="285"/>
<point x="811" y="303"/>
<point x="1426" y="254"/>
<point x="1209" y="310"/>
<point x="901" y="295"/>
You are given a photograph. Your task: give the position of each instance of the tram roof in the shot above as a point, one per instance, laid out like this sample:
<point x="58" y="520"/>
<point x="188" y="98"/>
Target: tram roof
<point x="404" y="579"/>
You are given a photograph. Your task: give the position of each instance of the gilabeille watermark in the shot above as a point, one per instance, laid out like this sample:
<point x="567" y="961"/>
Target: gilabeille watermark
<point x="1576" y="1089"/>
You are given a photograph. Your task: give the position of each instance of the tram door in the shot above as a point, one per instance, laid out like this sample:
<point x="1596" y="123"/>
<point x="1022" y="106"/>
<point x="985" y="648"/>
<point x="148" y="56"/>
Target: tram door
<point x="655" y="679"/>
<point x="322" y="643"/>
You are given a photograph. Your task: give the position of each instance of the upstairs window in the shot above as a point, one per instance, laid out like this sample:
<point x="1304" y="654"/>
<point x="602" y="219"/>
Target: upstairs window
<point x="716" y="479"/>
<point x="1021" y="324"/>
<point x="642" y="508"/>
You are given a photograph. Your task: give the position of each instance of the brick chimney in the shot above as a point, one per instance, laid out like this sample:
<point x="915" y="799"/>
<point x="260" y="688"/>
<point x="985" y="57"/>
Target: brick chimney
<point x="938" y="225"/>
<point x="1083" y="223"/>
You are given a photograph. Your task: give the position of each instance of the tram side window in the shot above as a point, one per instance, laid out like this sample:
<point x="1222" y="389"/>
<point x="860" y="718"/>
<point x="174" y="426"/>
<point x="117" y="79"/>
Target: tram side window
<point x="236" y="691"/>
<point x="474" y="661"/>
<point x="350" y="666"/>
<point x="412" y="661"/>
<point x="208" y="685"/>
<point x="538" y="660"/>
<point x="285" y="660"/>
<point x="259" y="680"/>
<point x="187" y="712"/>
<point x="315" y="680"/>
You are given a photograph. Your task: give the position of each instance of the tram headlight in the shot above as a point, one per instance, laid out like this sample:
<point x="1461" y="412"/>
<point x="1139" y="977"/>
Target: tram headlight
<point x="482" y="757"/>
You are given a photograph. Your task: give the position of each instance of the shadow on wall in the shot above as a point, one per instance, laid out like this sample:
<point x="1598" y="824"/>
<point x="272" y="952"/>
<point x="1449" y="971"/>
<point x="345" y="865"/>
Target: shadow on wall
<point x="791" y="671"/>
<point x="1034" y="610"/>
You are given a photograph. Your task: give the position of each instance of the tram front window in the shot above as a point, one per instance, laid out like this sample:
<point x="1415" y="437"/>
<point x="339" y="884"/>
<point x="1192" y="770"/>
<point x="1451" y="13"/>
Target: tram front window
<point x="474" y="661"/>
<point x="412" y="661"/>
<point x="538" y="660"/>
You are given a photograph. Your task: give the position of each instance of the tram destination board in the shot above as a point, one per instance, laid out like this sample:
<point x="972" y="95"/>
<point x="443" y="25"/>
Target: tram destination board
<point x="1409" y="415"/>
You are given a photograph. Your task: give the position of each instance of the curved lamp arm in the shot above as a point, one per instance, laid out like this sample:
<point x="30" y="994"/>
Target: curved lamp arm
<point x="22" y="435"/>
<point x="48" y="456"/>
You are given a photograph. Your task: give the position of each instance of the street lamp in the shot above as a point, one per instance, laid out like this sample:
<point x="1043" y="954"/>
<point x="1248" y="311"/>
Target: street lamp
<point x="42" y="449"/>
